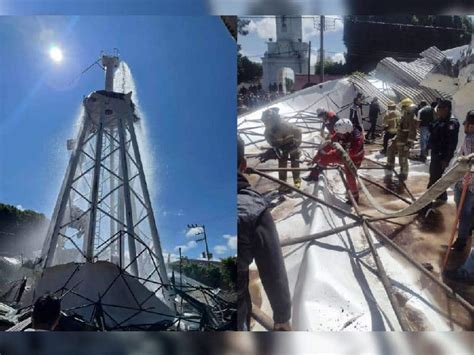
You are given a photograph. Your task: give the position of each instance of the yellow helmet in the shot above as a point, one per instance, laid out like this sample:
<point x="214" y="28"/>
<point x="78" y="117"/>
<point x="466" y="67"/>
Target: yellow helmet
<point x="406" y="102"/>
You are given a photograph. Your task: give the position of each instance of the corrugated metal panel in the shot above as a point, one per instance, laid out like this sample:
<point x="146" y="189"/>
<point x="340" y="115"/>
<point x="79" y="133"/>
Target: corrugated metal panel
<point x="433" y="55"/>
<point x="405" y="77"/>
<point x="364" y="86"/>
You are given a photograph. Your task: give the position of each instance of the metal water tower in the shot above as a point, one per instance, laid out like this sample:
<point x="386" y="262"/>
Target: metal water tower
<point x="103" y="213"/>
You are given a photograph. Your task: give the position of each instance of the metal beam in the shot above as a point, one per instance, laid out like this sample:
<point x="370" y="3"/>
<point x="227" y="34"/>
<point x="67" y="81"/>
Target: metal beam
<point x="127" y="198"/>
<point x="319" y="235"/>
<point x="90" y="234"/>
<point x="146" y="196"/>
<point x="49" y="246"/>
<point x="322" y="202"/>
<point x="387" y="284"/>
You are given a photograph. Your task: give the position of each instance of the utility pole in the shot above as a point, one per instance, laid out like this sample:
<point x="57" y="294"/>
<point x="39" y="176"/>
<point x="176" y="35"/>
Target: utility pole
<point x="321" y="48"/>
<point x="309" y="62"/>
<point x="180" y="270"/>
<point x="204" y="238"/>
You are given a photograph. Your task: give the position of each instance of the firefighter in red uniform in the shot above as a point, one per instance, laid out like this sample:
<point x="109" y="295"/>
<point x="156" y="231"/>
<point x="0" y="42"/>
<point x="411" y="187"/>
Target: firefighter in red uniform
<point x="329" y="120"/>
<point x="352" y="141"/>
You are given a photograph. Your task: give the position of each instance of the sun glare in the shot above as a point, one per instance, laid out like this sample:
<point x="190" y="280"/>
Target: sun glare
<point x="56" y="54"/>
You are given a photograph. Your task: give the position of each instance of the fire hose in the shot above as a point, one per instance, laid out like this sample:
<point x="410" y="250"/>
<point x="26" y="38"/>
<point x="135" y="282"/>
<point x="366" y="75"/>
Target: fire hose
<point x="462" y="165"/>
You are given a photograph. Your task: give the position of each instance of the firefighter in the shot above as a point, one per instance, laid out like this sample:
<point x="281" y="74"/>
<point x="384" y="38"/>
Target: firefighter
<point x="329" y="120"/>
<point x="352" y="141"/>
<point x="391" y="121"/>
<point x="442" y="142"/>
<point x="285" y="139"/>
<point x="403" y="141"/>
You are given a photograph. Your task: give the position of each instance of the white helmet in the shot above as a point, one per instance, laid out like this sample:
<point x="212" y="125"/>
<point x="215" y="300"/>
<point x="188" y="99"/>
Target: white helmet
<point x="343" y="126"/>
<point x="320" y="111"/>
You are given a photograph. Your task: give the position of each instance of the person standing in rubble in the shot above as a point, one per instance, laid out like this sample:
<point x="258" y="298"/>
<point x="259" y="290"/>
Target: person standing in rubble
<point x="391" y="121"/>
<point x="355" y="113"/>
<point x="466" y="220"/>
<point x="426" y="118"/>
<point x="374" y="112"/>
<point x="329" y="119"/>
<point x="258" y="239"/>
<point x="443" y="141"/>
<point x="403" y="141"/>
<point x="351" y="139"/>
<point x="285" y="139"/>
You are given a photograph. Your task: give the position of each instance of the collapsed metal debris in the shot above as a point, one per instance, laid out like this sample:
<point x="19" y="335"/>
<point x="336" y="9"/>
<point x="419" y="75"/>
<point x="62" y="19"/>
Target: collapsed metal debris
<point x="337" y="96"/>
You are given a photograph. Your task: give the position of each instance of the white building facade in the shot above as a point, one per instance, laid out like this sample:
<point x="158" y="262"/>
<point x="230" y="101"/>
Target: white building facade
<point x="288" y="51"/>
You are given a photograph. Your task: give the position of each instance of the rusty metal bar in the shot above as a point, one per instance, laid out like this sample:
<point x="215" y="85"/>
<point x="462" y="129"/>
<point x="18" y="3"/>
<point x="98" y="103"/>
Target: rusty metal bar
<point x="448" y="290"/>
<point x="319" y="235"/>
<point x="387" y="284"/>
<point x="283" y="169"/>
<point x="396" y="174"/>
<point x="322" y="202"/>
<point x="385" y="189"/>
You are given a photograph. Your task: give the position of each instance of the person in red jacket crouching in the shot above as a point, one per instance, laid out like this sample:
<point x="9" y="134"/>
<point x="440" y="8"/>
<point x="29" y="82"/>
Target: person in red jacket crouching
<point x="352" y="140"/>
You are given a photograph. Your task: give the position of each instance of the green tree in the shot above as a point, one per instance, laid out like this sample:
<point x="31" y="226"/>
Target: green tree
<point x="229" y="272"/>
<point x="247" y="71"/>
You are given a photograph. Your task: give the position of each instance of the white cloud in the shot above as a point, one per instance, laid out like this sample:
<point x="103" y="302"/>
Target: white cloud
<point x="314" y="57"/>
<point x="184" y="248"/>
<point x="20" y="207"/>
<point x="171" y="256"/>
<point x="179" y="213"/>
<point x="338" y="58"/>
<point x="220" y="249"/>
<point x="265" y="28"/>
<point x="311" y="26"/>
<point x="191" y="232"/>
<point x="231" y="241"/>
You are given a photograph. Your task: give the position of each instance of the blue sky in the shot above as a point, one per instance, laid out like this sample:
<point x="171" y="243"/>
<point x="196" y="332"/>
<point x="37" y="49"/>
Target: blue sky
<point x="262" y="28"/>
<point x="184" y="70"/>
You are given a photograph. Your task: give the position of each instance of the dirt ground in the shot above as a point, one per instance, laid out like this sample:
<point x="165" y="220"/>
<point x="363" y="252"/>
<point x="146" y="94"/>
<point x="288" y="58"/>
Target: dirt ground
<point x="425" y="240"/>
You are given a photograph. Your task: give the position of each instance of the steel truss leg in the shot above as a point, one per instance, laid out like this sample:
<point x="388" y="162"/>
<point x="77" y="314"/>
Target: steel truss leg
<point x="126" y="192"/>
<point x="90" y="235"/>
<point x="151" y="219"/>
<point x="52" y="235"/>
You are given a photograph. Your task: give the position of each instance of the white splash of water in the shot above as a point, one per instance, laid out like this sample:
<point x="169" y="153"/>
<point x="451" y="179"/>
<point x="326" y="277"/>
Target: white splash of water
<point x="59" y="159"/>
<point x="124" y="83"/>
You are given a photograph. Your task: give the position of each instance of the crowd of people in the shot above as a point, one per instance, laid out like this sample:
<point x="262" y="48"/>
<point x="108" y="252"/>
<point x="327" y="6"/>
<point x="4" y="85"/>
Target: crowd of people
<point x="254" y="97"/>
<point x="257" y="236"/>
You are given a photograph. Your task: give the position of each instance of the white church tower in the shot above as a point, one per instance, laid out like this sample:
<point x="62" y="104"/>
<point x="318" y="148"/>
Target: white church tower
<point x="288" y="51"/>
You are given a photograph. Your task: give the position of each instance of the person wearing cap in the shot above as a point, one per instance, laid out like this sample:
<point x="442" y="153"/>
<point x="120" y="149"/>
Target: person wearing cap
<point x="329" y="119"/>
<point x="285" y="139"/>
<point x="403" y="141"/>
<point x="351" y="139"/>
<point x="391" y="121"/>
<point x="442" y="142"/>
<point x="426" y="118"/>
<point x="374" y="112"/>
<point x="258" y="240"/>
<point x="466" y="220"/>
